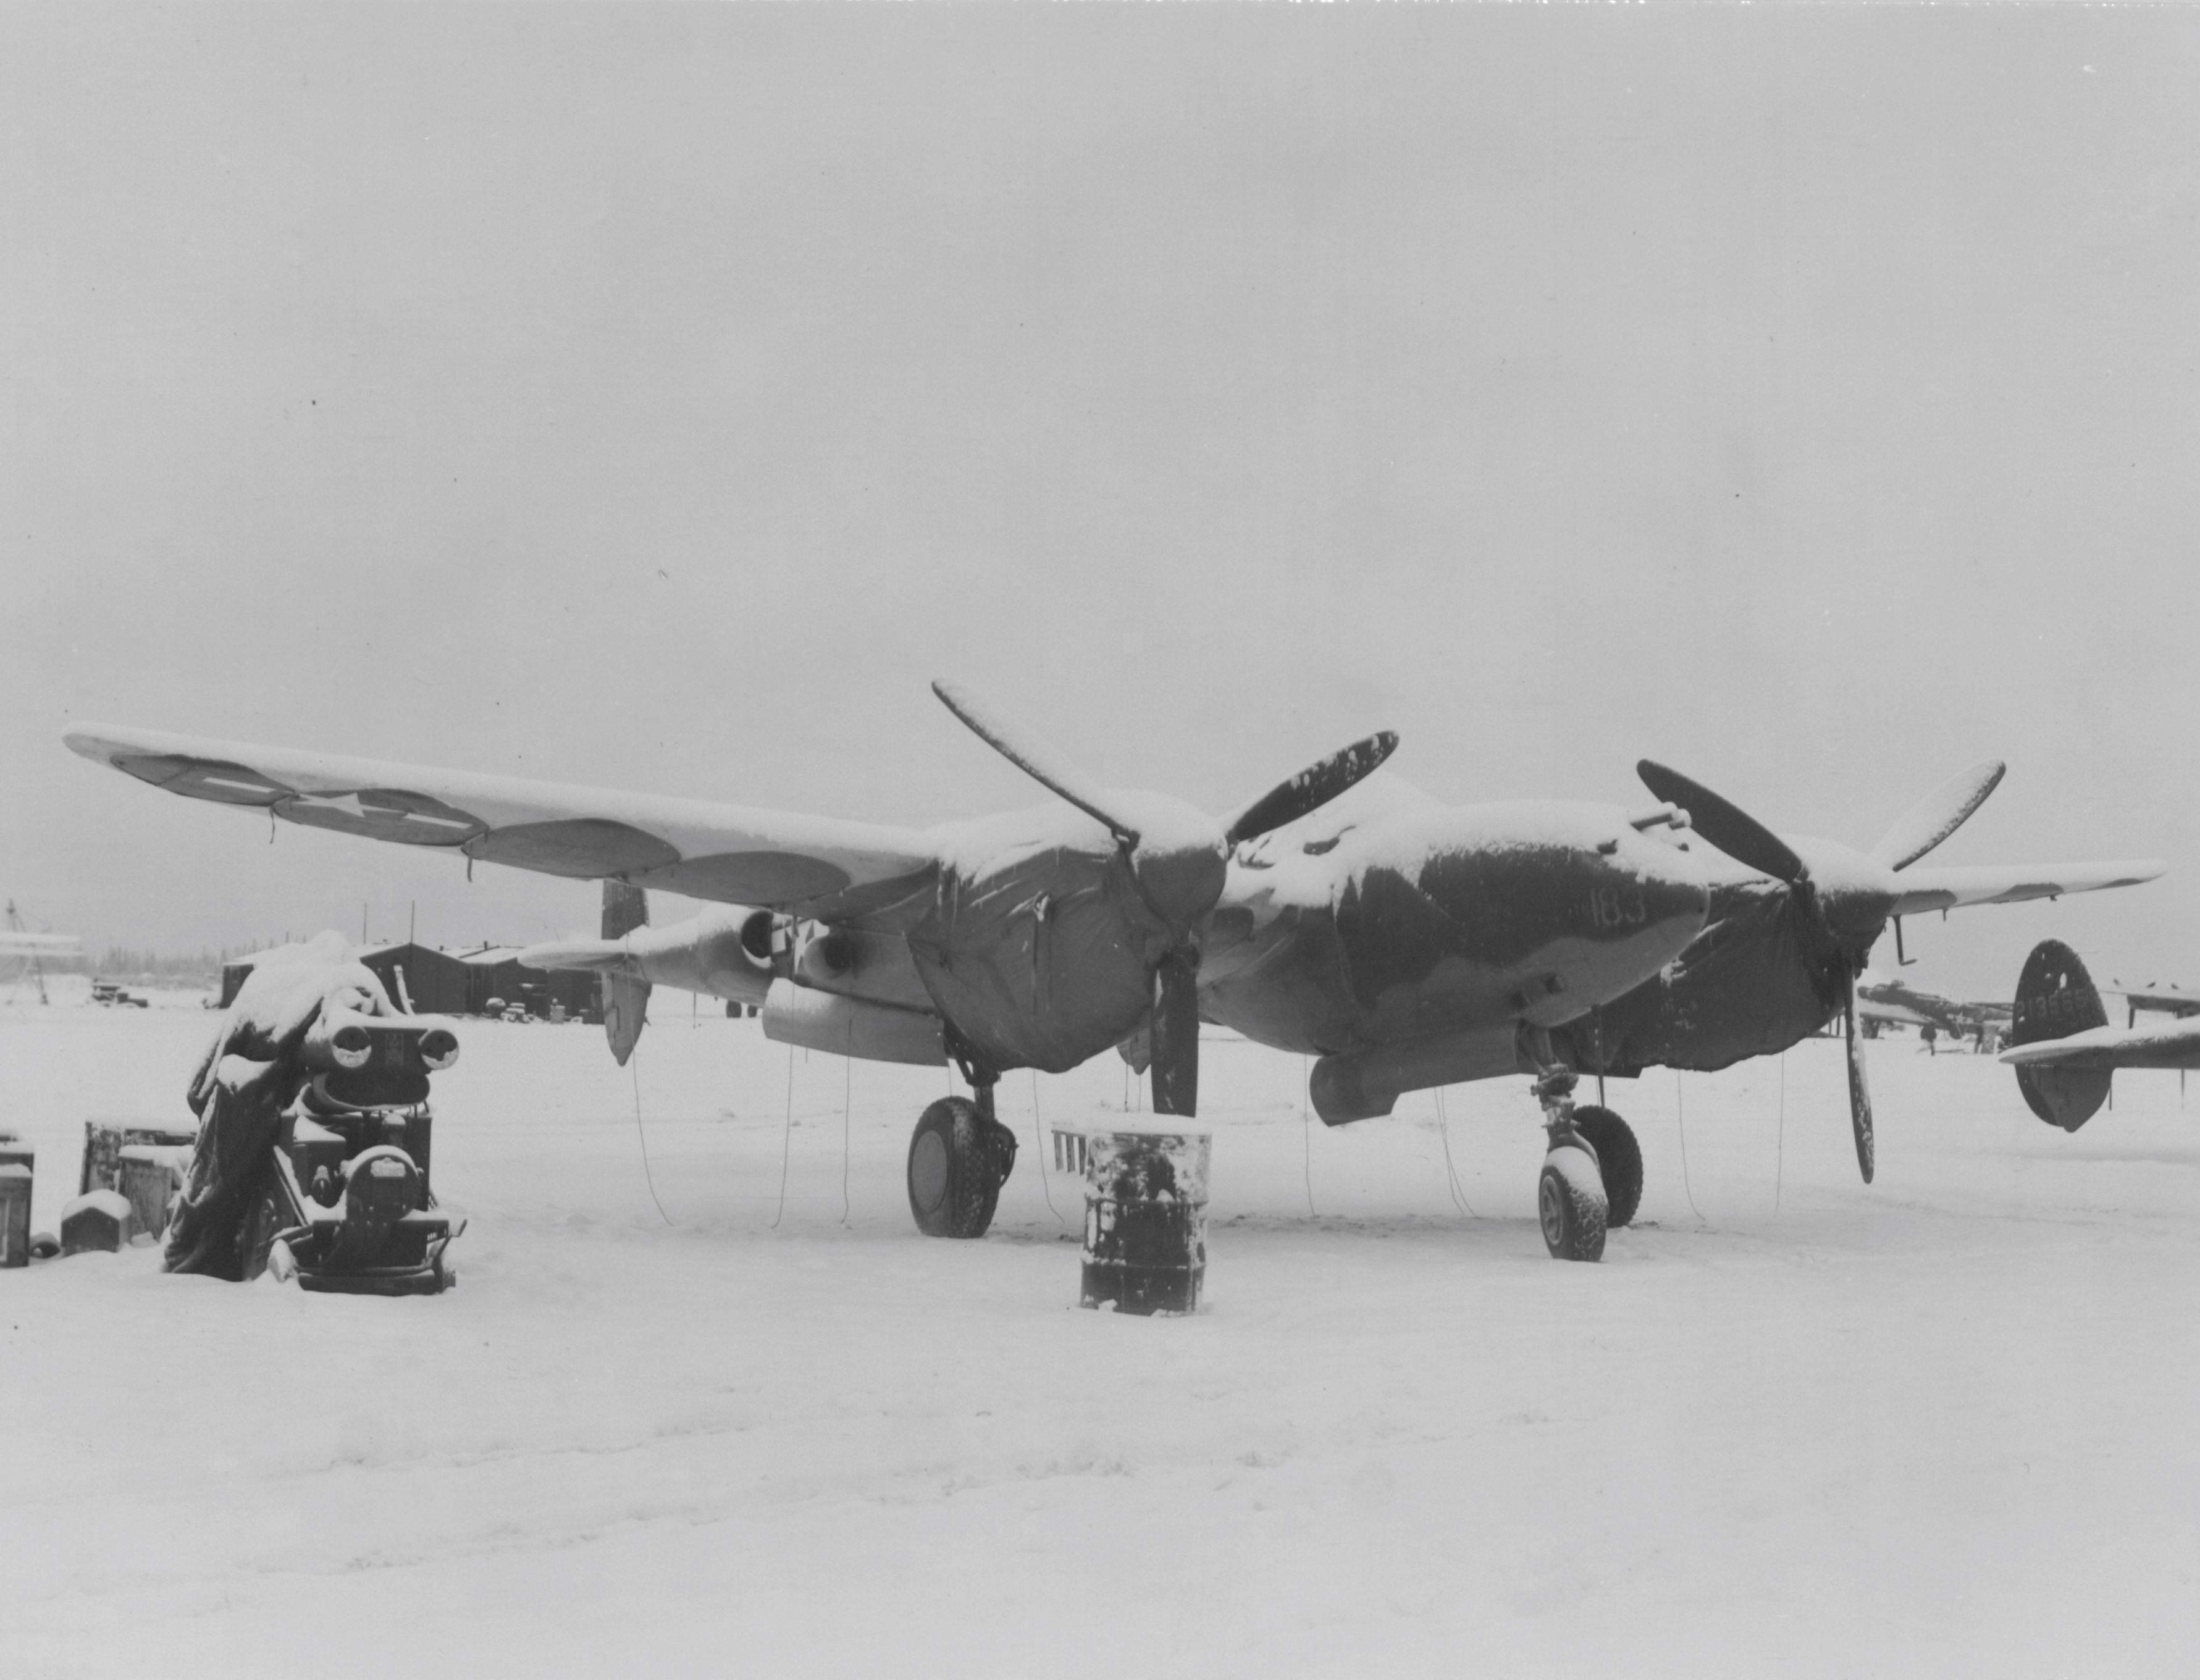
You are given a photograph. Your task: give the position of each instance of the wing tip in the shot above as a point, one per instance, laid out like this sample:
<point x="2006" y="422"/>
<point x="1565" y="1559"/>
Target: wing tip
<point x="90" y="740"/>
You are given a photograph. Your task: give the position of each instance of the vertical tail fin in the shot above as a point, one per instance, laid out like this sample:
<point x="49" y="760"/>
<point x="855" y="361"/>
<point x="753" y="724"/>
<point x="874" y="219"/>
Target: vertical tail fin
<point x="2056" y="998"/>
<point x="625" y="1001"/>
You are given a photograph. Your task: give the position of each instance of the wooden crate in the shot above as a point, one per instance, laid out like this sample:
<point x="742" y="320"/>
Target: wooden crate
<point x="104" y="1140"/>
<point x="147" y="1176"/>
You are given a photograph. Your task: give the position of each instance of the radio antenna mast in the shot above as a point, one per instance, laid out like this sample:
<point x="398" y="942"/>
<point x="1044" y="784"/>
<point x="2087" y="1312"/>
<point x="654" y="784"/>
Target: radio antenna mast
<point x="30" y="961"/>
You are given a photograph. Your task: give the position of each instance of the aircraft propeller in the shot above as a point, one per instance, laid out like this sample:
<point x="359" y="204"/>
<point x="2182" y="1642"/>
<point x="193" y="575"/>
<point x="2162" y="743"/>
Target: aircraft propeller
<point x="1859" y="1087"/>
<point x="1177" y="857"/>
<point x="1845" y="908"/>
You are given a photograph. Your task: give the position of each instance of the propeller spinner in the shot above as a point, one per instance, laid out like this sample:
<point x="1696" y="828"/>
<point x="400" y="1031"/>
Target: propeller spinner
<point x="1177" y="857"/>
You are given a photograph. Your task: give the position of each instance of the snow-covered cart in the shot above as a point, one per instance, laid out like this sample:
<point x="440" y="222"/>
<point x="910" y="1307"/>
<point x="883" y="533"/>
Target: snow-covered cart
<point x="346" y="1206"/>
<point x="312" y="1154"/>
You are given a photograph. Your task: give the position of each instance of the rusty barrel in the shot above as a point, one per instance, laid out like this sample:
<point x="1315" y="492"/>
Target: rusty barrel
<point x="1146" y="1221"/>
<point x="14" y="1214"/>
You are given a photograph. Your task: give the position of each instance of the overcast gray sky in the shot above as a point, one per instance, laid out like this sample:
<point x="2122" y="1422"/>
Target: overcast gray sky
<point x="659" y="398"/>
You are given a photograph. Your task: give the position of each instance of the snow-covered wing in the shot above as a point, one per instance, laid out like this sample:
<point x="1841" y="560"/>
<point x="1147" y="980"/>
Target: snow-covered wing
<point x="2176" y="1045"/>
<point x="1949" y="886"/>
<point x="723" y="853"/>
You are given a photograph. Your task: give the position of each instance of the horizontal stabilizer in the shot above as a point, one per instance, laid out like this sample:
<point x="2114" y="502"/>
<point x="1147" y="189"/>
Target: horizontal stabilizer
<point x="1951" y="887"/>
<point x="2176" y="1045"/>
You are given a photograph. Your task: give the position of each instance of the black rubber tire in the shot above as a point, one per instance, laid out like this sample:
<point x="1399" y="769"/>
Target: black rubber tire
<point x="1572" y="1222"/>
<point x="1621" y="1158"/>
<point x="953" y="1174"/>
<point x="258" y="1235"/>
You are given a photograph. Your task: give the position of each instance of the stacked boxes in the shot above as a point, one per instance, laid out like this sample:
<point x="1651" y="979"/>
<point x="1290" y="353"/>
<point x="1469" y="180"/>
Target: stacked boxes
<point x="104" y="1141"/>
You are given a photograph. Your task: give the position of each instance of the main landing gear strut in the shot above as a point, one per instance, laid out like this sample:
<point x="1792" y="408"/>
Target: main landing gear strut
<point x="959" y="1158"/>
<point x="1592" y="1179"/>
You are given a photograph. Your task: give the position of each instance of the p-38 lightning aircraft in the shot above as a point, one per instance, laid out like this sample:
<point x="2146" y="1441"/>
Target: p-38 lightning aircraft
<point x="1406" y="943"/>
<point x="1895" y="1003"/>
<point x="1293" y="948"/>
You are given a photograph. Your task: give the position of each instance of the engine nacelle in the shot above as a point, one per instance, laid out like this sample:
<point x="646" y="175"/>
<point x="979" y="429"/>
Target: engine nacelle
<point x="801" y="1014"/>
<point x="716" y="952"/>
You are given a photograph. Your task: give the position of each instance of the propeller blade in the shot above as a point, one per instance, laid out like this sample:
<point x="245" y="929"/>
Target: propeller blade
<point x="1312" y="788"/>
<point x="1859" y="1089"/>
<point x="1937" y="816"/>
<point x="1175" y="1036"/>
<point x="1034" y="755"/>
<point x="1728" y="827"/>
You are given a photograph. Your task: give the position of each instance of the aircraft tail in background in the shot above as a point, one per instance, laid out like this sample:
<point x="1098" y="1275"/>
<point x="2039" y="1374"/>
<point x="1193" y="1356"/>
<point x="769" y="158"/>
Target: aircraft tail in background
<point x="2055" y="999"/>
<point x="625" y="997"/>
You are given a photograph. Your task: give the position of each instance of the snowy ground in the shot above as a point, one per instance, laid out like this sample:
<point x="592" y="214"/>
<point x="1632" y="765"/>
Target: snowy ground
<point x="1941" y="1425"/>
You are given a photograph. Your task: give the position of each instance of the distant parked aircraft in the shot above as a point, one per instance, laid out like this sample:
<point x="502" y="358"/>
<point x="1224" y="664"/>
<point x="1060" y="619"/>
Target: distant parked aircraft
<point x="2173" y="1000"/>
<point x="29" y="950"/>
<point x="12" y="943"/>
<point x="2064" y="1049"/>
<point x="17" y="941"/>
<point x="1882" y="1001"/>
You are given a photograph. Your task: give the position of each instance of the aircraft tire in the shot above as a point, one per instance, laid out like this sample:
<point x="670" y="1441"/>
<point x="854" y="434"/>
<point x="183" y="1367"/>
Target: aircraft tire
<point x="1621" y="1158"/>
<point x="953" y="1178"/>
<point x="1569" y="1206"/>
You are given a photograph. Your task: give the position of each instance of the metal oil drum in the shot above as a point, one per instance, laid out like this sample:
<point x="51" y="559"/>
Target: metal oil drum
<point x="1146" y="1221"/>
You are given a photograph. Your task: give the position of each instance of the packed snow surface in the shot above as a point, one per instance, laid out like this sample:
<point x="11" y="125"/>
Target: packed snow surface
<point x="1940" y="1425"/>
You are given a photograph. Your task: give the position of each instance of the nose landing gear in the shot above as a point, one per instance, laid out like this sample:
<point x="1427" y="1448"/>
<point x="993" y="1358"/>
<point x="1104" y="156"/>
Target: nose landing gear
<point x="1592" y="1178"/>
